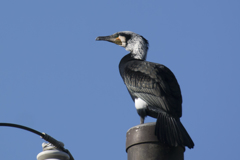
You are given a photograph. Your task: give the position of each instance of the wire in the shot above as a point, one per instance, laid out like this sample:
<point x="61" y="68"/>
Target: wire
<point x="22" y="127"/>
<point x="44" y="136"/>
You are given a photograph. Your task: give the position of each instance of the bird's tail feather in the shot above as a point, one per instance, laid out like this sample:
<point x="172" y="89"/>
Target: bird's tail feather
<point x="171" y="132"/>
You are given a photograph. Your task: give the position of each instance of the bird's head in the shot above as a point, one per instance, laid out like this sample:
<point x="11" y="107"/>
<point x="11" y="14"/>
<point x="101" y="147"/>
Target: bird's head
<point x="135" y="43"/>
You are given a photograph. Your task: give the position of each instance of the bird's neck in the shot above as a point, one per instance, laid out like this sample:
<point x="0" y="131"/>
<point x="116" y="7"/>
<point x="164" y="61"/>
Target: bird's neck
<point x="138" y="50"/>
<point x="139" y="54"/>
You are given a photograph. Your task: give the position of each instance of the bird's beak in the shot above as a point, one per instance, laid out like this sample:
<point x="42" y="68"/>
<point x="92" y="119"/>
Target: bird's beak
<point x="109" y="39"/>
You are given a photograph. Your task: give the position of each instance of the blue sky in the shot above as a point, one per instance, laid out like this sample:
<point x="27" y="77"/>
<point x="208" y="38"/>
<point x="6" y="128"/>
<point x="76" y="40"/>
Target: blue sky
<point x="55" y="78"/>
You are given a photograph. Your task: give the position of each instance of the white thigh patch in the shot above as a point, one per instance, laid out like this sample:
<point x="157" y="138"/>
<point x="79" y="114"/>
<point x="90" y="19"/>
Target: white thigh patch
<point x="140" y="104"/>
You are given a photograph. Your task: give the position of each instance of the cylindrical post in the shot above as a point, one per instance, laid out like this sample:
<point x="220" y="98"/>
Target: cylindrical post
<point x="142" y="144"/>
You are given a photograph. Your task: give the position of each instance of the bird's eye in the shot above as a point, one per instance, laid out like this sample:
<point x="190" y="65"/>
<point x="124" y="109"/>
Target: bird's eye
<point x="116" y="36"/>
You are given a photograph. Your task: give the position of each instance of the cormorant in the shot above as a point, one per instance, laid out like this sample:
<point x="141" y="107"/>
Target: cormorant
<point x="153" y="88"/>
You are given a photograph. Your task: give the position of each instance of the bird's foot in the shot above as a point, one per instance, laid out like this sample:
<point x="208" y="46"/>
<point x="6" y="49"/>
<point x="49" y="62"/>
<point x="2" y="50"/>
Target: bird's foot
<point x="141" y="120"/>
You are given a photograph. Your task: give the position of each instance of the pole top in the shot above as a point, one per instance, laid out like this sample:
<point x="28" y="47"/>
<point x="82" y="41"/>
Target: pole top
<point x="141" y="133"/>
<point x="143" y="144"/>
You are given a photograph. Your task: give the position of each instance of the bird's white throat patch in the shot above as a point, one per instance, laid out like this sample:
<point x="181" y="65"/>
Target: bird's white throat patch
<point x="140" y="104"/>
<point x="123" y="40"/>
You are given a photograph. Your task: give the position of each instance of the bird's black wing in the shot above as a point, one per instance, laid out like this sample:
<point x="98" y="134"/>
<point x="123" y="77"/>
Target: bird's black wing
<point x="155" y="84"/>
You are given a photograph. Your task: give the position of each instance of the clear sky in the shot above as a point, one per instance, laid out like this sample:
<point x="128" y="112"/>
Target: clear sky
<point x="55" y="78"/>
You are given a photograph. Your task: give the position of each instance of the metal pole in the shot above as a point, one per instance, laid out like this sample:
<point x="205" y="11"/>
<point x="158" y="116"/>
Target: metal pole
<point x="142" y="144"/>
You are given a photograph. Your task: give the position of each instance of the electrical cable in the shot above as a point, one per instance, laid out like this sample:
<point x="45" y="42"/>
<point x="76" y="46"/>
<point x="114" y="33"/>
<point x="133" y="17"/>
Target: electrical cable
<point x="44" y="136"/>
<point x="21" y="127"/>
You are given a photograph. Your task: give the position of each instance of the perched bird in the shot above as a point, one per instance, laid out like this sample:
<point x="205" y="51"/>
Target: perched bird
<point x="153" y="88"/>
